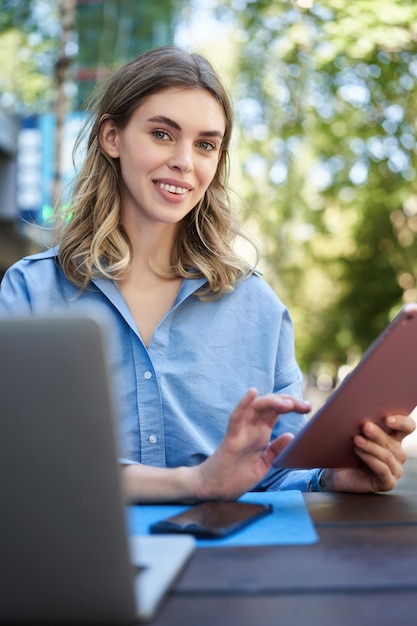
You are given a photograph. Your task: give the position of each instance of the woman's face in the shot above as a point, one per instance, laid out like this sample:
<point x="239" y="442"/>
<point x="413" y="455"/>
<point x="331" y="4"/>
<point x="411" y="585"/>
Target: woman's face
<point x="168" y="153"/>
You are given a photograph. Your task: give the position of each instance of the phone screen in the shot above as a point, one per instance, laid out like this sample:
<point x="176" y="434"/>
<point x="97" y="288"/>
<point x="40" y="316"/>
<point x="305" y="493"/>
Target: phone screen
<point x="213" y="519"/>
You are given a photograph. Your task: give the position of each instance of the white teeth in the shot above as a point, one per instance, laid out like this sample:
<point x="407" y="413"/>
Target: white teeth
<point x="172" y="188"/>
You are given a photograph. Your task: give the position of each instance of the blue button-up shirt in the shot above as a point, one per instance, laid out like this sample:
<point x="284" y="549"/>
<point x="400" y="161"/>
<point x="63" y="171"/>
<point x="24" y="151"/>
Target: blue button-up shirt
<point x="174" y="397"/>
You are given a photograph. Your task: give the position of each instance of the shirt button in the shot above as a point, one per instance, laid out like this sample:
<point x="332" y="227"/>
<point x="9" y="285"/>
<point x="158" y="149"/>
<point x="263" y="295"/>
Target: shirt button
<point x="152" y="438"/>
<point x="147" y="375"/>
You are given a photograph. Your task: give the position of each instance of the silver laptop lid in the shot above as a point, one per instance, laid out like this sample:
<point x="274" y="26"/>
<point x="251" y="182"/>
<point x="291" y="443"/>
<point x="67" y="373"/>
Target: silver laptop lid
<point x="63" y="544"/>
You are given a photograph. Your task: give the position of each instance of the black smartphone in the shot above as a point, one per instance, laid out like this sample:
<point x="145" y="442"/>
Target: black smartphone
<point x="213" y="519"/>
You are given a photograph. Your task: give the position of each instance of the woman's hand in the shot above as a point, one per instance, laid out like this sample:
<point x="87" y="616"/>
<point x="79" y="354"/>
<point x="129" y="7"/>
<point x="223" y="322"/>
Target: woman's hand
<point x="242" y="459"/>
<point x="383" y="456"/>
<point x="245" y="454"/>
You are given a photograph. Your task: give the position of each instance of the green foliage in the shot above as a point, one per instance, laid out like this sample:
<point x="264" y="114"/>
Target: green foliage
<point x="17" y="14"/>
<point x="24" y="87"/>
<point x="326" y="99"/>
<point x="28" y="44"/>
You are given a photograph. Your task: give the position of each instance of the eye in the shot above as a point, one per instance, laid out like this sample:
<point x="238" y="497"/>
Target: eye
<point x="160" y="134"/>
<point x="207" y="146"/>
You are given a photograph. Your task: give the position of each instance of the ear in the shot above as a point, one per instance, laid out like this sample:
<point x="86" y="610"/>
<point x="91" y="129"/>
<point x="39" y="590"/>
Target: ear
<point x="109" y="138"/>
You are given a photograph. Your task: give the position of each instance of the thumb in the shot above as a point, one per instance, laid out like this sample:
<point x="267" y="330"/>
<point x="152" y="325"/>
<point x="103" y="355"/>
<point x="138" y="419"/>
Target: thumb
<point x="276" y="446"/>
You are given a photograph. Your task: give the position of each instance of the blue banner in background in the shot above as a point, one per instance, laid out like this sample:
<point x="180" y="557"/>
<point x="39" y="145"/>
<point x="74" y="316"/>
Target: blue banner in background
<point x="36" y="164"/>
<point x="29" y="170"/>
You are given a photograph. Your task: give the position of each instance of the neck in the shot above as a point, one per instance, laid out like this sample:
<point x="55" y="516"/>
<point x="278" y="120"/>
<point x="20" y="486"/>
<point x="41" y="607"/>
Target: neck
<point x="152" y="246"/>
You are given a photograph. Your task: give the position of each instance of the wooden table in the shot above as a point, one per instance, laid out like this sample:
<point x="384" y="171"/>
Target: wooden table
<point x="363" y="571"/>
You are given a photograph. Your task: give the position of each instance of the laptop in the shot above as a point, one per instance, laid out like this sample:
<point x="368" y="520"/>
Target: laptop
<point x="65" y="553"/>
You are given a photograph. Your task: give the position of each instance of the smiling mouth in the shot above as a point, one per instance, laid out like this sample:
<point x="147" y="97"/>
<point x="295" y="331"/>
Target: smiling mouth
<point x="172" y="188"/>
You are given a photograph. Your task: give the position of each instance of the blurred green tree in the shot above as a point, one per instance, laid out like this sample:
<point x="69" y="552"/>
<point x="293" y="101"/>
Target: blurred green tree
<point x="28" y="44"/>
<point x="326" y="97"/>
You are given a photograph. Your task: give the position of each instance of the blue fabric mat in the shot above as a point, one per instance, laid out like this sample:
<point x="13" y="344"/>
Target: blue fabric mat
<point x="288" y="524"/>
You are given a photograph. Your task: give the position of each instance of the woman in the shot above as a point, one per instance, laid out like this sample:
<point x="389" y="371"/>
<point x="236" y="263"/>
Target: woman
<point x="195" y="334"/>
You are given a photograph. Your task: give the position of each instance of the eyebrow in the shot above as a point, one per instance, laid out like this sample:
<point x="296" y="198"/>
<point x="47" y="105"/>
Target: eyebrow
<point x="166" y="120"/>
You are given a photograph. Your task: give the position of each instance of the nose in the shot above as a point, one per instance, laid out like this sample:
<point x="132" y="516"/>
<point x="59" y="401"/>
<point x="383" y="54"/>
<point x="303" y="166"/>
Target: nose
<point x="182" y="157"/>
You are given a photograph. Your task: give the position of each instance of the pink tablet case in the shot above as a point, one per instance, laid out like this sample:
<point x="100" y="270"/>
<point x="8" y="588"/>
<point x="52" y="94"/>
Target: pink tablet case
<point x="383" y="383"/>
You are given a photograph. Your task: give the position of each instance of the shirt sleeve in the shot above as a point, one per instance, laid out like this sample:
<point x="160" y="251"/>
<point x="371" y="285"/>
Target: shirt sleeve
<point x="14" y="296"/>
<point x="124" y="461"/>
<point x="291" y="479"/>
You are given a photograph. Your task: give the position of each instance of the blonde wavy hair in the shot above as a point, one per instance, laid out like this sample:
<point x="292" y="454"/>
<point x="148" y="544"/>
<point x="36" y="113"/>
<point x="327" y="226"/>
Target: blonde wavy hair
<point x="93" y="242"/>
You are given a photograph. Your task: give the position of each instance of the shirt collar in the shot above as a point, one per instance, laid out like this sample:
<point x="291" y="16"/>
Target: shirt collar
<point x="111" y="290"/>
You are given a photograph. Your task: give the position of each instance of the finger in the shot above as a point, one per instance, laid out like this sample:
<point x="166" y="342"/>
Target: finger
<point x="376" y="433"/>
<point x="243" y="410"/>
<point x="247" y="399"/>
<point x="373" y="454"/>
<point x="281" y="403"/>
<point x="276" y="447"/>
<point x="376" y="441"/>
<point x="245" y="403"/>
<point x="384" y="477"/>
<point x="400" y="425"/>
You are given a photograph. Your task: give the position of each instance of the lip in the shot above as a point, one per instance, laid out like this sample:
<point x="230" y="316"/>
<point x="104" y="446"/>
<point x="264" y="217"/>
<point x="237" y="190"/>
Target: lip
<point x="172" y="182"/>
<point x="169" y="195"/>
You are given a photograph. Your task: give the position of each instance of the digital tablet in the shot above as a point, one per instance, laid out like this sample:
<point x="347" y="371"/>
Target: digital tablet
<point x="383" y="383"/>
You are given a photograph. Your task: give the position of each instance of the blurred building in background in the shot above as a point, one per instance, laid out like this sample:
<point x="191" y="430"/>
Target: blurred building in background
<point x="13" y="242"/>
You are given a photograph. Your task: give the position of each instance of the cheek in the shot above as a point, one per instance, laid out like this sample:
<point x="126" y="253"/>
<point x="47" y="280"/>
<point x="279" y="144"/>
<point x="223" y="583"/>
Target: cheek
<point x="210" y="172"/>
<point x="136" y="159"/>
